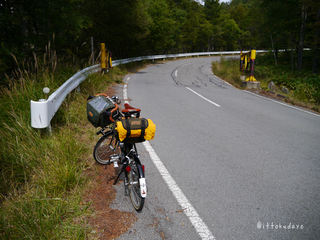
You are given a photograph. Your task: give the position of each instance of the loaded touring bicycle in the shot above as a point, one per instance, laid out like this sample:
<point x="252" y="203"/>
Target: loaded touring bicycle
<point x="120" y="131"/>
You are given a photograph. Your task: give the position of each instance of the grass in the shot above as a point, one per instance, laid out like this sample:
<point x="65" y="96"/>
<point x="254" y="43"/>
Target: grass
<point x="303" y="86"/>
<point x="228" y="70"/>
<point x="42" y="175"/>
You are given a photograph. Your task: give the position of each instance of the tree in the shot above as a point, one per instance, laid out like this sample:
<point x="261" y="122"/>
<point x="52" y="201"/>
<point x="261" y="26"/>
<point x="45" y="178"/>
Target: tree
<point x="162" y="28"/>
<point x="313" y="32"/>
<point x="231" y="33"/>
<point x="212" y="10"/>
<point x="281" y="21"/>
<point x="304" y="14"/>
<point x="316" y="43"/>
<point x="197" y="29"/>
<point x="27" y="26"/>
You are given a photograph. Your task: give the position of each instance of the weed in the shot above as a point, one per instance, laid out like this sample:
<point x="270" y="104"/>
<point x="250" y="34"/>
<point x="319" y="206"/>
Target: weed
<point x="228" y="70"/>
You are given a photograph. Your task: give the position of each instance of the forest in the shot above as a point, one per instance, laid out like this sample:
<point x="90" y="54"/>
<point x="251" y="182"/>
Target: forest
<point x="63" y="28"/>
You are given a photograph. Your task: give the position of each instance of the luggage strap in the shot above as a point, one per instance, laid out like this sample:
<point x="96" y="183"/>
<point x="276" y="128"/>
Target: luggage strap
<point x="143" y="128"/>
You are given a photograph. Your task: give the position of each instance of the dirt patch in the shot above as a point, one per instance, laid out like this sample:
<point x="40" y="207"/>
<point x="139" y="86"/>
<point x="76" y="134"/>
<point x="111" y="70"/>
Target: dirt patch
<point x="269" y="94"/>
<point x="107" y="223"/>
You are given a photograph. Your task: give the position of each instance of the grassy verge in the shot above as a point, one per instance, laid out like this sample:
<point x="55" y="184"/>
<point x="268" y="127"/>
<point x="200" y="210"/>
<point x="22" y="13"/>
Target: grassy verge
<point x="42" y="176"/>
<point x="304" y="87"/>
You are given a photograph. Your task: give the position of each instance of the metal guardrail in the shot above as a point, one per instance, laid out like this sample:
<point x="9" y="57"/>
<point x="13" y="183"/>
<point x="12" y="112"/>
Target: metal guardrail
<point x="43" y="111"/>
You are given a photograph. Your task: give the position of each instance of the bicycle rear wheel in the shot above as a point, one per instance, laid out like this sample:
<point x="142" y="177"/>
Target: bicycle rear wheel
<point x="104" y="148"/>
<point x="133" y="174"/>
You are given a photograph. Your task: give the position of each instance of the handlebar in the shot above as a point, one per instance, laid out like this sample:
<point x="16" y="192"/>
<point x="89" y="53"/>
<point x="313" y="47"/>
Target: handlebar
<point x="113" y="110"/>
<point x="127" y="111"/>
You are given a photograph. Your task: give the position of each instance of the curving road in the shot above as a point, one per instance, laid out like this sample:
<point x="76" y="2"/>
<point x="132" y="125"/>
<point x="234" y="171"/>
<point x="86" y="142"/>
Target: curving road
<point x="239" y="166"/>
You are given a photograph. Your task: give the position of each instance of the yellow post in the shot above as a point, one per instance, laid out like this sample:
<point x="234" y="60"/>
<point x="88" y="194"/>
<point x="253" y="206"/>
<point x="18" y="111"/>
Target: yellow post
<point x="110" y="60"/>
<point x="245" y="61"/>
<point x="252" y="62"/>
<point x="241" y="62"/>
<point x="103" y="57"/>
<point x="107" y="60"/>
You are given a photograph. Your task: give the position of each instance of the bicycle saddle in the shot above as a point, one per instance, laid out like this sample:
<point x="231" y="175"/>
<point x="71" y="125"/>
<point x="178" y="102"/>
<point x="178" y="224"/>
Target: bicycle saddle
<point x="129" y="109"/>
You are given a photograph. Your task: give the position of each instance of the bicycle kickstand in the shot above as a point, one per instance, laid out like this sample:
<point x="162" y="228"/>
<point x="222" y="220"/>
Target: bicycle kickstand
<point x="126" y="190"/>
<point x="122" y="170"/>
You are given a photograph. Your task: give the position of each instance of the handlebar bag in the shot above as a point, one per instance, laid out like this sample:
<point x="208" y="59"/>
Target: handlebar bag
<point x="135" y="130"/>
<point x="99" y="110"/>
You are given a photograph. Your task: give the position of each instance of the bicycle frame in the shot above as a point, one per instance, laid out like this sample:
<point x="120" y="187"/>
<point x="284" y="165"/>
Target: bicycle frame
<point x="128" y="158"/>
<point x="135" y="158"/>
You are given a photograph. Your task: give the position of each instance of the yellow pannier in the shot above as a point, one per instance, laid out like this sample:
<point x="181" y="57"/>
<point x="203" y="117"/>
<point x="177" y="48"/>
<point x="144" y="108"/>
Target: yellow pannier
<point x="134" y="130"/>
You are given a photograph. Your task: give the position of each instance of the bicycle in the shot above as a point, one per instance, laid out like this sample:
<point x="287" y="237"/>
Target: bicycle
<point x="105" y="153"/>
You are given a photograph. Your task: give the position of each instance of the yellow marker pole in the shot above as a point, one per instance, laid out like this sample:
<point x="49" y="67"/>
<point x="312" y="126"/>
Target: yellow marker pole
<point x="110" y="60"/>
<point x="252" y="62"/>
<point x="103" y="57"/>
<point x="245" y="62"/>
<point x="107" y="60"/>
<point x="241" y="62"/>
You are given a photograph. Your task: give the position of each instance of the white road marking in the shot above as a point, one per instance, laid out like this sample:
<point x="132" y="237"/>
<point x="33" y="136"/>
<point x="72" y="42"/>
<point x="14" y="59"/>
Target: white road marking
<point x="217" y="105"/>
<point x="176" y="73"/>
<point x="189" y="210"/>
<point x="287" y="105"/>
<point x="125" y="94"/>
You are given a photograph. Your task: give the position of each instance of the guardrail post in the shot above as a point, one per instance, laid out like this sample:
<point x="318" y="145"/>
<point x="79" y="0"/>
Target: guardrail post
<point x="241" y="62"/>
<point x="242" y="66"/>
<point x="110" y="60"/>
<point x="103" y="57"/>
<point x="246" y="65"/>
<point x="46" y="91"/>
<point x="251" y="82"/>
<point x="252" y="62"/>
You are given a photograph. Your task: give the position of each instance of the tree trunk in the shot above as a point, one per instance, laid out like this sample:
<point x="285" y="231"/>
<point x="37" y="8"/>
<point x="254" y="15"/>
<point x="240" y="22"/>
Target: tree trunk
<point x="304" y="15"/>
<point x="274" y="53"/>
<point x="292" y="46"/>
<point x="315" y="47"/>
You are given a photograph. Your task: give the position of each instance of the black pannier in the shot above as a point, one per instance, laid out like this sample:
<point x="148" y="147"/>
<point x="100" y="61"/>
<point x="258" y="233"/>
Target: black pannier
<point x="99" y="110"/>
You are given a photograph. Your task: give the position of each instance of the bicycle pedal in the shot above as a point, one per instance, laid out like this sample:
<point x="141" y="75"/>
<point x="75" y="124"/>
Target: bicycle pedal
<point x="114" y="158"/>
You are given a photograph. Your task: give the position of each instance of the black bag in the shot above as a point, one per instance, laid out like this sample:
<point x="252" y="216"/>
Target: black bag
<point x="99" y="111"/>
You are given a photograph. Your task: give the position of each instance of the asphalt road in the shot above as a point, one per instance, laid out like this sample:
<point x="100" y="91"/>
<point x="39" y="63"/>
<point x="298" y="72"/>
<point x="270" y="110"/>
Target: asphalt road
<point x="249" y="166"/>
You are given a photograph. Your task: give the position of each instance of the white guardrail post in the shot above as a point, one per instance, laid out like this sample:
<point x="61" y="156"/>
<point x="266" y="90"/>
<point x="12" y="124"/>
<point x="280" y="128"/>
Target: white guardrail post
<point x="43" y="111"/>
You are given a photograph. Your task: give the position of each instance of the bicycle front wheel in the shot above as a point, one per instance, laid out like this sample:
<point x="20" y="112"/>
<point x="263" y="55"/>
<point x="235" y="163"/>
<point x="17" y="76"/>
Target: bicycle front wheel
<point x="104" y="148"/>
<point x="133" y="174"/>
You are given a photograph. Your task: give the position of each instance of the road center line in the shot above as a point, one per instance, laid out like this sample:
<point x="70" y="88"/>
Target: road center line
<point x="217" y="105"/>
<point x="189" y="210"/>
